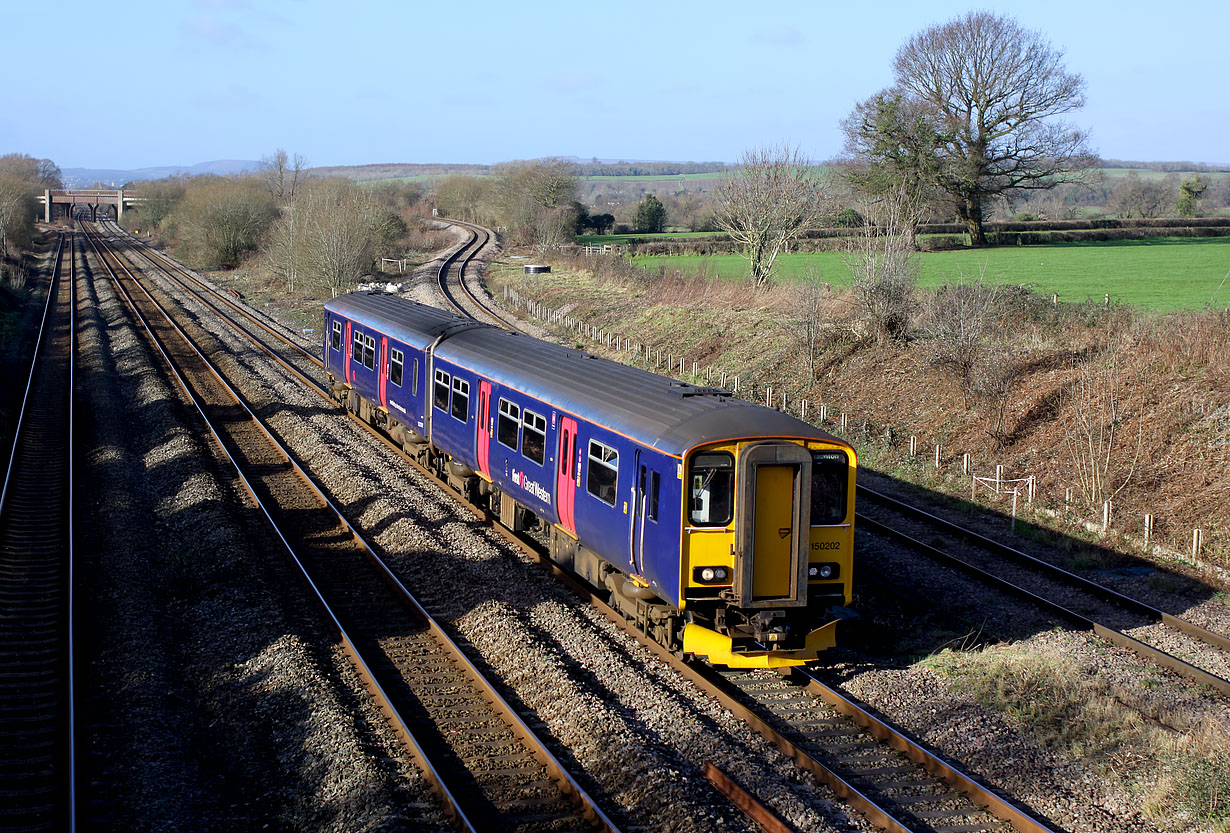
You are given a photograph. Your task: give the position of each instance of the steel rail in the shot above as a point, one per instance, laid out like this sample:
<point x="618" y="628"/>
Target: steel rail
<point x="37" y="719"/>
<point x="166" y="265"/>
<point x="1166" y="660"/>
<point x="1193" y="630"/>
<point x="589" y="808"/>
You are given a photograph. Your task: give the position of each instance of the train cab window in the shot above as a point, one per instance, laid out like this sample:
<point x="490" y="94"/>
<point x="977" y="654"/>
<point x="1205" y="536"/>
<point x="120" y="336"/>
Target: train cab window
<point x="397" y="366"/>
<point x="461" y="399"/>
<point x="830" y="476"/>
<point x="711" y="489"/>
<point x="654" y="485"/>
<point x="534" y="437"/>
<point x="603" y="472"/>
<point x="440" y="393"/>
<point x="509" y="424"/>
<point x="369" y="352"/>
<point x="356" y="352"/>
<point x="414" y="379"/>
<point x="337" y="335"/>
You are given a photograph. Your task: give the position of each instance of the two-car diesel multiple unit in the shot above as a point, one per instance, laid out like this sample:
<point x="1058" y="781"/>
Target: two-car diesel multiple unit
<point x="721" y="528"/>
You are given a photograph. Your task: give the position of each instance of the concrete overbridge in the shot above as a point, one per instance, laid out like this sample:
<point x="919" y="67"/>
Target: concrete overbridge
<point x="92" y="199"/>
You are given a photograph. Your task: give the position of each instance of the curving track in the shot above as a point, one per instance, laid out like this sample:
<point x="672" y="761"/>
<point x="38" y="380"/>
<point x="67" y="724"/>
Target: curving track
<point x="37" y="789"/>
<point x="487" y="766"/>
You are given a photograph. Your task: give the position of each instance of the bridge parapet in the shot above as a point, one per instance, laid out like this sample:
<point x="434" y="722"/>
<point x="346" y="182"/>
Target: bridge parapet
<point x="93" y="198"/>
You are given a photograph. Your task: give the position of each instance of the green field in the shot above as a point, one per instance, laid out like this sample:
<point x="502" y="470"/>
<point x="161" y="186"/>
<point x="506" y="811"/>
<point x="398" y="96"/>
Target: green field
<point x="1163" y="274"/>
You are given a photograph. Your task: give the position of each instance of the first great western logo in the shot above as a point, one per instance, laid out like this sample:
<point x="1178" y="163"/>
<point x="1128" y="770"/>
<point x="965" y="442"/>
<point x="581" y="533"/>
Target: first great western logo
<point x="533" y="487"/>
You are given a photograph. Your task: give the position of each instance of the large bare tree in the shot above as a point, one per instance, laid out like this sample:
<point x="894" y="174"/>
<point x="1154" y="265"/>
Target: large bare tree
<point x="769" y="201"/>
<point x="991" y="96"/>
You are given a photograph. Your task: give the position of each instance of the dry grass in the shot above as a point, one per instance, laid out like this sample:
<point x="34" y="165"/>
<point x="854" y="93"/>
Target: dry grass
<point x="1183" y="778"/>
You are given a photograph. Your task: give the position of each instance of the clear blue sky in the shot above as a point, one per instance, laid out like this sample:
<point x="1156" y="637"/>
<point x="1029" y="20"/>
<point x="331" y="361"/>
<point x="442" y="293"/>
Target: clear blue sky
<point x="137" y="83"/>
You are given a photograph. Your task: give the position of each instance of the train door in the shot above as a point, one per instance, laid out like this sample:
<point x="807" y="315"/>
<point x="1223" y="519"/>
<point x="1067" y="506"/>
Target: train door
<point x="348" y="353"/>
<point x="383" y="372"/>
<point x="484" y="429"/>
<point x="773" y="524"/>
<point x="566" y="475"/>
<point x="773" y="536"/>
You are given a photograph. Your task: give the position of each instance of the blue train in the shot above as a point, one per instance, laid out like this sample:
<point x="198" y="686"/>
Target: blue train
<point x="721" y="528"/>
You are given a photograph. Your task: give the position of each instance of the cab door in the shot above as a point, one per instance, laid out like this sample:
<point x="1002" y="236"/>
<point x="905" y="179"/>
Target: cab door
<point x="484" y="429"/>
<point x="566" y="475"/>
<point x="640" y="502"/>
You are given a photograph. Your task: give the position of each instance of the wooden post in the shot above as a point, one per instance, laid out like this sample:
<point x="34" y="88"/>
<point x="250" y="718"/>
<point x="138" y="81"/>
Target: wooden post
<point x="843" y="422"/>
<point x="1015" y="494"/>
<point x="965" y="463"/>
<point x="1106" y="510"/>
<point x="999" y="475"/>
<point x="1148" y="529"/>
<point x="1031" y="485"/>
<point x="913" y="446"/>
<point x="937" y="456"/>
<point x="1197" y="542"/>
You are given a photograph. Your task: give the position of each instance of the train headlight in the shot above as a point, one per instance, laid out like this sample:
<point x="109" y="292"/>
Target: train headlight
<point x="711" y="575"/>
<point x="823" y="572"/>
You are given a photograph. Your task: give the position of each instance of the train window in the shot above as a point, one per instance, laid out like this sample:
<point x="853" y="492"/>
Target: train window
<point x="397" y="364"/>
<point x="337" y="335"/>
<point x="461" y="399"/>
<point x="356" y="352"/>
<point x="534" y="437"/>
<point x="414" y="379"/>
<point x="440" y="394"/>
<point x="603" y="472"/>
<point x="369" y="352"/>
<point x="654" y="484"/>
<point x="711" y="481"/>
<point x="830" y="477"/>
<point x="509" y="424"/>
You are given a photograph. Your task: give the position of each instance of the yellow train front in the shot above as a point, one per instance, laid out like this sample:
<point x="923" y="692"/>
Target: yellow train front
<point x="766" y="548"/>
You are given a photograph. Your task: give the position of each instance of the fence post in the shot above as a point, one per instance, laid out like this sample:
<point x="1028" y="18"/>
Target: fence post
<point x="843" y="422"/>
<point x="937" y="456"/>
<point x="1148" y="529"/>
<point x="803" y="409"/>
<point x="1030" y="485"/>
<point x="1015" y="494"/>
<point x="1106" y="509"/>
<point x="965" y="463"/>
<point x="913" y="446"/>
<point x="1197" y="542"/>
<point x="999" y="475"/>
<point x="824" y="412"/>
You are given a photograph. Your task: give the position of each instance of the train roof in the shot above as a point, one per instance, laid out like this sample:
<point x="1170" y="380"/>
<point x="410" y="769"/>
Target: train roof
<point x="411" y="323"/>
<point x="655" y="410"/>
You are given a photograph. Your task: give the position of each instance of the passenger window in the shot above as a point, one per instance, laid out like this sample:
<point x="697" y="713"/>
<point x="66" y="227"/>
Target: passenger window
<point x="356" y="353"/>
<point x="461" y="399"/>
<point x="829" y="478"/>
<point x="414" y="379"/>
<point x="369" y="352"/>
<point x="397" y="363"/>
<point x="711" y="489"/>
<point x="440" y="394"/>
<point x="337" y="335"/>
<point x="603" y="472"/>
<point x="508" y="424"/>
<point x="654" y="481"/>
<point x="534" y="437"/>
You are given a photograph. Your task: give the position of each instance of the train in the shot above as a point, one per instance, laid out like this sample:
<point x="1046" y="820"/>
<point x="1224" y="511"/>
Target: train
<point x="720" y="528"/>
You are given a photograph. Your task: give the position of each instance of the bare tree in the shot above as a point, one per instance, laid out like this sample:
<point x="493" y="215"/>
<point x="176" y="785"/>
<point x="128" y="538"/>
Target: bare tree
<point x="1101" y="445"/>
<point x="961" y="323"/>
<point x="772" y="198"/>
<point x="282" y="173"/>
<point x="532" y="199"/>
<point x="17" y="212"/>
<point x="810" y="321"/>
<point x="341" y="223"/>
<point x="991" y="94"/>
<point x="221" y="221"/>
<point x="1138" y="197"/>
<point x="884" y="265"/>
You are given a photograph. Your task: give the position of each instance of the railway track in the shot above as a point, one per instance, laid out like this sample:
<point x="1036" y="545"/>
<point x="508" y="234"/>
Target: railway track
<point x="883" y="774"/>
<point x="486" y="764"/>
<point x="37" y="757"/>
<point x="1072" y="598"/>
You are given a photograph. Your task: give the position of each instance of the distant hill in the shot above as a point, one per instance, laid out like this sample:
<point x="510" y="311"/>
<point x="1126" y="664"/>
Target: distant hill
<point x="85" y="177"/>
